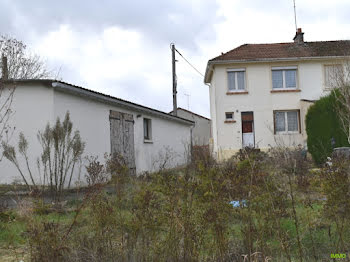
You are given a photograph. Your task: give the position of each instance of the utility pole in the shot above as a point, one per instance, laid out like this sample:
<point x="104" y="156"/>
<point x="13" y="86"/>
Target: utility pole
<point x="5" y="74"/>
<point x="172" y="45"/>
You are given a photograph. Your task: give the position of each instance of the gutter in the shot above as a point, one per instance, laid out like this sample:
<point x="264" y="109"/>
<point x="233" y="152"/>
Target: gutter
<point x="116" y="101"/>
<point x="210" y="64"/>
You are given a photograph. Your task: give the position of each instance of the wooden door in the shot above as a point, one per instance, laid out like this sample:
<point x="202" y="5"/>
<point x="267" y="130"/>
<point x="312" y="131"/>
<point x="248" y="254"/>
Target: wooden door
<point x="248" y="139"/>
<point x="122" y="137"/>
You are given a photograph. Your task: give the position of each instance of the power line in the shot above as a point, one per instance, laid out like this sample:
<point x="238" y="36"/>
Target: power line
<point x="189" y="63"/>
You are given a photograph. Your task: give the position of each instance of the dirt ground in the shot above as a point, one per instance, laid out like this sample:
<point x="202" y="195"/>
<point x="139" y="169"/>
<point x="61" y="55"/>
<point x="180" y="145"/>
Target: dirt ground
<point x="14" y="255"/>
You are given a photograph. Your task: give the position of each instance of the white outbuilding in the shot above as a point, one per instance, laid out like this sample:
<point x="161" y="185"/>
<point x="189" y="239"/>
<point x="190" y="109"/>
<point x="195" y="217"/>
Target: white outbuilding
<point x="106" y="124"/>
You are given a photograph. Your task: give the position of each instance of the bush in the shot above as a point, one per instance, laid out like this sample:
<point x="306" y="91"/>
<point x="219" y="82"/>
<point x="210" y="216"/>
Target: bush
<point x="187" y="214"/>
<point x="322" y="126"/>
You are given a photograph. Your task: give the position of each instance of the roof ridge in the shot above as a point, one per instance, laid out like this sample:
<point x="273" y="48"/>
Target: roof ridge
<point x="283" y="43"/>
<point x="192" y="113"/>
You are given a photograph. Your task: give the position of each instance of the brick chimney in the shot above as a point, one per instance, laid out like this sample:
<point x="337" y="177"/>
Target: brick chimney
<point x="299" y="37"/>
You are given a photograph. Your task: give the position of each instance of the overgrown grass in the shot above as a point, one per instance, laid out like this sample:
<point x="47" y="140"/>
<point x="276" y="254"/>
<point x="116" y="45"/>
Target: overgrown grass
<point x="13" y="227"/>
<point x="185" y="215"/>
<point x="12" y="231"/>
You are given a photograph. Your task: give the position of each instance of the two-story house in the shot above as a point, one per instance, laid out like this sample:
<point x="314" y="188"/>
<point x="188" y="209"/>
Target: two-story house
<point x="260" y="93"/>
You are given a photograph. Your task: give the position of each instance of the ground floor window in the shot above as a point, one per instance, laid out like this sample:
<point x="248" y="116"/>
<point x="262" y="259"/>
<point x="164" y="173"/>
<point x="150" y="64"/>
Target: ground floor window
<point x="286" y="121"/>
<point x="229" y="116"/>
<point x="147" y="129"/>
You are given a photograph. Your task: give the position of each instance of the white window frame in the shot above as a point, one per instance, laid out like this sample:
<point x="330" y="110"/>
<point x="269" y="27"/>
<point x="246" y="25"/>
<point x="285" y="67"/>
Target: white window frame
<point x="229" y="119"/>
<point x="286" y="122"/>
<point x="236" y="90"/>
<point x="326" y="86"/>
<point x="283" y="69"/>
<point x="149" y="130"/>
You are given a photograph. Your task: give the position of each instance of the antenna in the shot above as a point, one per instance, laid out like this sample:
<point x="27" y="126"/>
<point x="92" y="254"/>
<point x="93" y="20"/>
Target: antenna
<point x="295" y="17"/>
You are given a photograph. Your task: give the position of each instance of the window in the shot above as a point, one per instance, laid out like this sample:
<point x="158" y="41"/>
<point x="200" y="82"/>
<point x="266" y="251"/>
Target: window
<point x="147" y="129"/>
<point x="333" y="74"/>
<point x="229" y="116"/>
<point x="236" y="80"/>
<point x="284" y="77"/>
<point x="286" y="121"/>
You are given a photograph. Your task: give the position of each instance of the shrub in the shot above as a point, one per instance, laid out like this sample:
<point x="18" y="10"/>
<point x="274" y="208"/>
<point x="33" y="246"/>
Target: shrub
<point x="322" y="126"/>
<point x="45" y="242"/>
<point x="61" y="153"/>
<point x="95" y="172"/>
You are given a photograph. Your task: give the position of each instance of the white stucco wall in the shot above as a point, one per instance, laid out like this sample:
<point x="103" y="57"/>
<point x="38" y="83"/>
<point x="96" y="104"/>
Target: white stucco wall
<point x="32" y="108"/>
<point x="201" y="129"/>
<point x="36" y="105"/>
<point x="91" y="118"/>
<point x="227" y="137"/>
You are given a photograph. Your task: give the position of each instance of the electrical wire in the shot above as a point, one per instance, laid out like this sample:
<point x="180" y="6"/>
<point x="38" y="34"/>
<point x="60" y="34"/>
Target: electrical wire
<point x="189" y="63"/>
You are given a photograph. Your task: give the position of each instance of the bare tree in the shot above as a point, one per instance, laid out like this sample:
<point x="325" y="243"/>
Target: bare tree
<point x="340" y="84"/>
<point x="21" y="63"/>
<point x="6" y="98"/>
<point x="17" y="63"/>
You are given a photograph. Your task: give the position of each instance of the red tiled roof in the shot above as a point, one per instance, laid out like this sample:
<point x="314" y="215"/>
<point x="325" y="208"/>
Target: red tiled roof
<point x="287" y="50"/>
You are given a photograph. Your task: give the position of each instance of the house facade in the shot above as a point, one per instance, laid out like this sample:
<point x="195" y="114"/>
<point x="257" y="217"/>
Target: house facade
<point x="144" y="136"/>
<point x="201" y="129"/>
<point x="260" y="93"/>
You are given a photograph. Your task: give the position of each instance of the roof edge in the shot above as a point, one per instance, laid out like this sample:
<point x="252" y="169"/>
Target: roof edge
<point x="188" y="111"/>
<point x="114" y="100"/>
<point x="211" y="63"/>
<point x="101" y="97"/>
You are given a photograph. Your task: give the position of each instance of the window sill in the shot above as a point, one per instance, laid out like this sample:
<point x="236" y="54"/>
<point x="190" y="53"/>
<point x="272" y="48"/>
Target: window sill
<point x="147" y="141"/>
<point x="288" y="133"/>
<point x="230" y="121"/>
<point x="285" y="90"/>
<point x="237" y="93"/>
<point x="327" y="88"/>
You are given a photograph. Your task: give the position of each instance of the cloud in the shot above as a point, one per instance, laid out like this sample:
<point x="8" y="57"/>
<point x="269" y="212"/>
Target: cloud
<point x="158" y="20"/>
<point x="122" y="47"/>
<point x="118" y="47"/>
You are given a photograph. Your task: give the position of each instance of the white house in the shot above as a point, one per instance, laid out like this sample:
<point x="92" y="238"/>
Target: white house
<point x="201" y="129"/>
<point x="260" y="93"/>
<point x="106" y="124"/>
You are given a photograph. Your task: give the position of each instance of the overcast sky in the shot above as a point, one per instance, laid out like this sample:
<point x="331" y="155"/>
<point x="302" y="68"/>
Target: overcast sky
<point x="121" y="48"/>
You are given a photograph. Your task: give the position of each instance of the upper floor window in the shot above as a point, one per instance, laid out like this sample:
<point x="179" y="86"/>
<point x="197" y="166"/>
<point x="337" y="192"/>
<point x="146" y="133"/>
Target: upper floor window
<point x="284" y="77"/>
<point x="236" y="80"/>
<point x="333" y="75"/>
